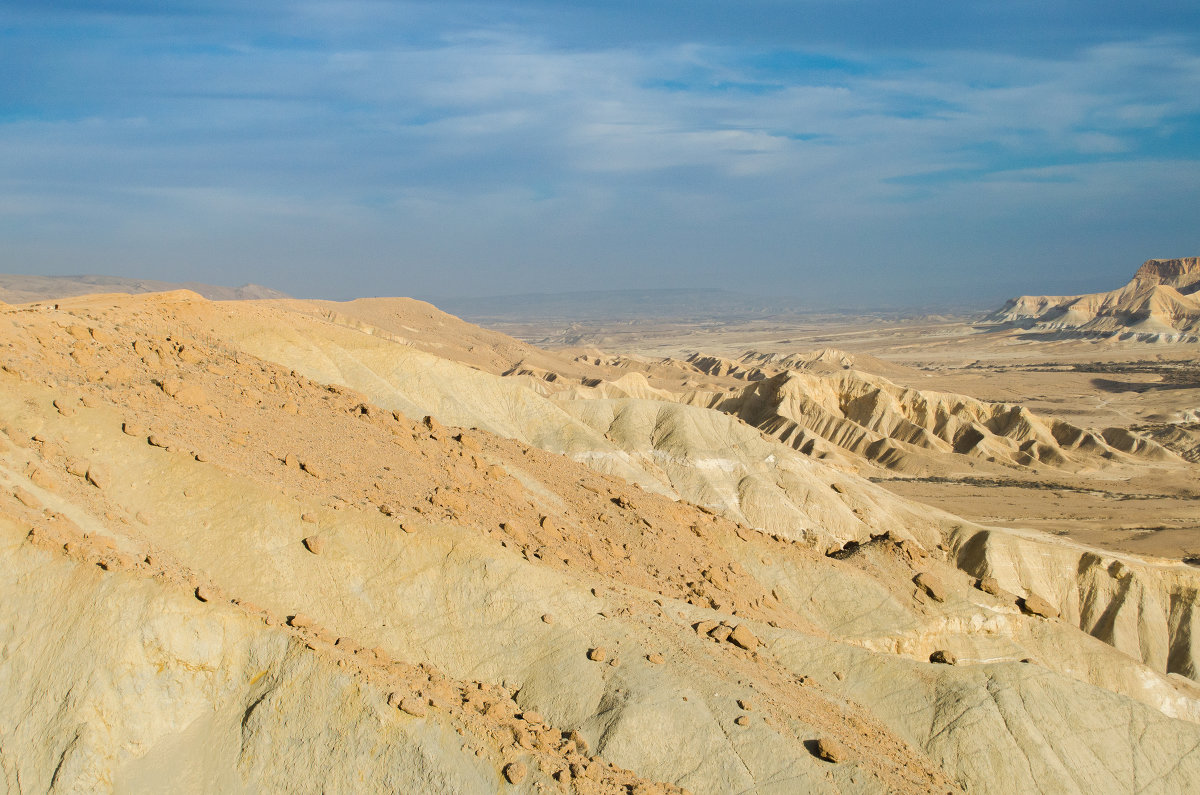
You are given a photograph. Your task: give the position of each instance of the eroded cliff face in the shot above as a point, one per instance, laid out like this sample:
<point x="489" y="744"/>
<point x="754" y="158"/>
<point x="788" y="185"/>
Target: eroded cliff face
<point x="237" y="557"/>
<point x="1158" y="305"/>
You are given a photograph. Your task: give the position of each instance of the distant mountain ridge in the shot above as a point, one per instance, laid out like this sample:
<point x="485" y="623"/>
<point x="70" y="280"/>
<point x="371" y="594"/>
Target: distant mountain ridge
<point x="18" y="288"/>
<point x="1160" y="304"/>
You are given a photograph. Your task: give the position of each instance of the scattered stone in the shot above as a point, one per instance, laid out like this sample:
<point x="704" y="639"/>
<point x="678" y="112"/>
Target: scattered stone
<point x="206" y="593"/>
<point x="944" y="656"/>
<point x="742" y="720"/>
<point x="98" y="476"/>
<point x="310" y="518"/>
<point x="414" y="706"/>
<point x="831" y="750"/>
<point x="746" y="704"/>
<point x="615" y="662"/>
<point x="989" y="585"/>
<point x="515" y="772"/>
<point x="705" y="627"/>
<point x="655" y="658"/>
<point x="1036" y="605"/>
<point x="721" y="632"/>
<point x="580" y="743"/>
<point x="133" y="429"/>
<point x="313" y="469"/>
<point x="932" y="585"/>
<point x="314" y="544"/>
<point x="290" y="460"/>
<point x="26" y="499"/>
<point x="64" y="407"/>
<point x="598" y="654"/>
<point x="157" y="441"/>
<point x="743" y="637"/>
<point x="387" y="510"/>
<point x="529" y="716"/>
<point x="547" y="619"/>
<point x="302" y="621"/>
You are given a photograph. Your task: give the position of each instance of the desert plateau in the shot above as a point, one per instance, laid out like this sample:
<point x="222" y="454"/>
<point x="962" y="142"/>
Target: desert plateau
<point x="372" y="546"/>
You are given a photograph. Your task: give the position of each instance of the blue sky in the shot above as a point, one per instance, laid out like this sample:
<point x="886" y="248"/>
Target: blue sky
<point x="841" y="152"/>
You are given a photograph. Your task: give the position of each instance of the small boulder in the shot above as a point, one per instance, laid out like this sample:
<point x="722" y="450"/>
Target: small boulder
<point x="133" y="429"/>
<point x="831" y="750"/>
<point x="944" y="656"/>
<point x="98" y="476"/>
<point x="515" y="772"/>
<point x="931" y="584"/>
<point x="721" y="632"/>
<point x="314" y="544"/>
<point x="598" y="654"/>
<point x="1036" y="605"/>
<point x="743" y="637"/>
<point x="989" y="585"/>
<point x="302" y="621"/>
<point x="742" y="720"/>
<point x="414" y="706"/>
<point x="655" y="658"/>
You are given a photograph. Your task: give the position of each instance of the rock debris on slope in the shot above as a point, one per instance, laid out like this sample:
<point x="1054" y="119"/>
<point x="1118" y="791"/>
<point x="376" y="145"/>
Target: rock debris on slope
<point x="204" y="635"/>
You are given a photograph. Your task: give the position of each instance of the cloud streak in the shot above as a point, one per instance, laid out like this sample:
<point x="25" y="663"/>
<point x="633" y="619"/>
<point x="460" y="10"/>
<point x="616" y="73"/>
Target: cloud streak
<point x="314" y="151"/>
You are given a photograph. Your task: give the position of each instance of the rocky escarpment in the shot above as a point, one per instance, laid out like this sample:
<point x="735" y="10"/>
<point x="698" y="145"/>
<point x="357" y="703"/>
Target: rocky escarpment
<point x="1159" y="304"/>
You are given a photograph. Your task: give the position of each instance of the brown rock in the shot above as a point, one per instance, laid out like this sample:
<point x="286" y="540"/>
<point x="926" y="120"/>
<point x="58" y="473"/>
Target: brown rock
<point x="598" y="654"/>
<point x="746" y="704"/>
<point x="580" y="742"/>
<point x="26" y="499"/>
<point x="156" y="440"/>
<point x="721" y="632"/>
<point x="931" y="584"/>
<point x="742" y="720"/>
<point x="414" y="706"/>
<point x="655" y="659"/>
<point x="944" y="656"/>
<point x="547" y="619"/>
<point x="313" y="469"/>
<point x="314" y="544"/>
<point x="515" y="772"/>
<point x="302" y="621"/>
<point x="743" y="637"/>
<point x="1036" y="605"/>
<point x="989" y="585"/>
<point x="98" y="476"/>
<point x="831" y="750"/>
<point x="529" y="716"/>
<point x="310" y="518"/>
<point x="133" y="429"/>
<point x="206" y="593"/>
<point x="704" y="627"/>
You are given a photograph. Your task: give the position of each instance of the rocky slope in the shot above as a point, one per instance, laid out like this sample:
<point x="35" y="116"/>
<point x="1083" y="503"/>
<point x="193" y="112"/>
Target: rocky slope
<point x="1160" y="304"/>
<point x="239" y="557"/>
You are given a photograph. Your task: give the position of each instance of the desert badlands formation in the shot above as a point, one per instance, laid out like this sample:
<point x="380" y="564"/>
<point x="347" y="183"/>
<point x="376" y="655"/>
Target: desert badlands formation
<point x="283" y="545"/>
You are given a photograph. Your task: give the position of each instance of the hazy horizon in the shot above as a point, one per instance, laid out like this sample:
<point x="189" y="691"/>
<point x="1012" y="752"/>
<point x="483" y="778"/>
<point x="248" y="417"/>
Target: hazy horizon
<point x="849" y="154"/>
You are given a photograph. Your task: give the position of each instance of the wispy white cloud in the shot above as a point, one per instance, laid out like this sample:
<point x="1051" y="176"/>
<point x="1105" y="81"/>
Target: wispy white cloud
<point x="473" y="145"/>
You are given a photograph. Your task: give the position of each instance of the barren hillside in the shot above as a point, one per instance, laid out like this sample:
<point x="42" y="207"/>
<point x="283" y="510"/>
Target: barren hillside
<point x="280" y="545"/>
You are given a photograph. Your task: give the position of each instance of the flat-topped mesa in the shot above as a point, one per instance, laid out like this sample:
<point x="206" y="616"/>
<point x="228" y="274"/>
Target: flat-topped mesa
<point x="1161" y="303"/>
<point x="1182" y="273"/>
